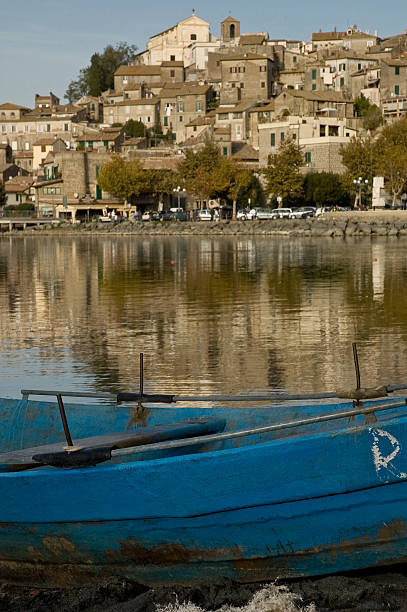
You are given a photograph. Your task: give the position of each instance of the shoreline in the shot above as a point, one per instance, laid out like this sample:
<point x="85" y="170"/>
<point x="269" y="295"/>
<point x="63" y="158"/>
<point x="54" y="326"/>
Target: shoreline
<point x="329" y="225"/>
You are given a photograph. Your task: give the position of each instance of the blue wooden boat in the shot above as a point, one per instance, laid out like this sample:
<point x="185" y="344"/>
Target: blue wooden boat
<point x="165" y="493"/>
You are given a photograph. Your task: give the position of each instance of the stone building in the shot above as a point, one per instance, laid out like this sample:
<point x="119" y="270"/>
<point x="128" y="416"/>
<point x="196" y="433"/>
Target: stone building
<point x="313" y="103"/>
<point x="320" y="139"/>
<point x="252" y="73"/>
<point x="42" y="147"/>
<point x="352" y="39"/>
<point x="236" y="118"/>
<point x="145" y="110"/>
<point x="393" y="77"/>
<point x="173" y="44"/>
<point x="179" y="106"/>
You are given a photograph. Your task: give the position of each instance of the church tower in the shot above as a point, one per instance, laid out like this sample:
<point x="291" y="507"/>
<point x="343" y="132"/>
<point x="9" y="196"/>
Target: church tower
<point x="229" y="29"/>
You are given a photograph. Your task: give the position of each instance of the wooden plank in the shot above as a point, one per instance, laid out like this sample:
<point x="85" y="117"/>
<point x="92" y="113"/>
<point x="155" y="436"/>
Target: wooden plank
<point x="140" y="436"/>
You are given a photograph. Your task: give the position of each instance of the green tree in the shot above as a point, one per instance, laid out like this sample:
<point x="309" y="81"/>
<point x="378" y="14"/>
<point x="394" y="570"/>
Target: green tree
<point x="3" y="195"/>
<point x="360" y="160"/>
<point x="161" y="182"/>
<point x="134" y="129"/>
<point x="373" y="118"/>
<point x="361" y="105"/>
<point x="282" y="174"/>
<point x="391" y="154"/>
<point x="203" y="173"/>
<point x="124" y="179"/>
<point x="324" y="189"/>
<point x="98" y="76"/>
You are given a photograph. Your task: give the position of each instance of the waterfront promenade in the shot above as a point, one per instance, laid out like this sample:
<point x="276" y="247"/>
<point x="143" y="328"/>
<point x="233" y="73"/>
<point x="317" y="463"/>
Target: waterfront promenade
<point x="335" y="224"/>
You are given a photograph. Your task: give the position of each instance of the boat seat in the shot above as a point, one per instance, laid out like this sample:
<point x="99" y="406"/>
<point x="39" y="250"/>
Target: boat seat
<point x="143" y="435"/>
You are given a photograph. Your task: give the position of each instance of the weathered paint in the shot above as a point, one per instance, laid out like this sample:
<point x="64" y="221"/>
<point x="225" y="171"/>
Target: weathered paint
<point x="321" y="502"/>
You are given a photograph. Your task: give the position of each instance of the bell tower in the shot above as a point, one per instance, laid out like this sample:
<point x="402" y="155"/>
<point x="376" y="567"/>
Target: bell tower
<point x="229" y="29"/>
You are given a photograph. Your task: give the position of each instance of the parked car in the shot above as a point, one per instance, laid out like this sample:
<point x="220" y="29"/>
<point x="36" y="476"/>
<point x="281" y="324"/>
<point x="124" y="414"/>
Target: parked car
<point x="322" y="209"/>
<point x="281" y="213"/>
<point x="245" y="213"/>
<point x="203" y="215"/>
<point x="303" y="212"/>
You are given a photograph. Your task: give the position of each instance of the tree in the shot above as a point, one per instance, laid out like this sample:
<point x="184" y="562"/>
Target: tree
<point x="282" y="174"/>
<point x="373" y="118"/>
<point x="391" y="154"/>
<point x="134" y="129"/>
<point x="324" y="188"/>
<point x="203" y="173"/>
<point x="359" y="159"/>
<point x="362" y="105"/>
<point x="124" y="179"/>
<point x="98" y="76"/>
<point x="3" y="195"/>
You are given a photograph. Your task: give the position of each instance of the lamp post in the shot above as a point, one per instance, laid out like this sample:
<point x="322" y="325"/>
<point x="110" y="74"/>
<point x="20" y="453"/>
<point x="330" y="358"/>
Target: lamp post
<point x="359" y="183"/>
<point x="178" y="191"/>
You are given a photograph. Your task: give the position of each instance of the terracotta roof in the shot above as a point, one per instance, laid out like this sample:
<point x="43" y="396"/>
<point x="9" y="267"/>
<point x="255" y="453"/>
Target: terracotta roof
<point x="252" y="39"/>
<point x="137" y="70"/>
<point x="10" y="106"/>
<point x="238" y="108"/>
<point x="230" y="18"/>
<point x="188" y="90"/>
<point x="22" y="154"/>
<point x="46" y="141"/>
<point x="223" y="130"/>
<point x="244" y="151"/>
<point x="200" y="121"/>
<point x="133" y="141"/>
<point x="266" y="107"/>
<point x="395" y="62"/>
<point x="316" y="36"/>
<point x="326" y="96"/>
<point x="243" y="56"/>
<point x="172" y="64"/>
<point x="135" y="102"/>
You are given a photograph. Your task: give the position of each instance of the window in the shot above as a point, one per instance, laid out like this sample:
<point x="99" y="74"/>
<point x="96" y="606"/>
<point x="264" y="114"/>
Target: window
<point x="180" y="107"/>
<point x="66" y="127"/>
<point x="199" y="106"/>
<point x="341" y="82"/>
<point x="313" y="74"/>
<point x="48" y="127"/>
<point x="272" y="140"/>
<point x="13" y="128"/>
<point x="262" y="68"/>
<point x="294" y="136"/>
<point x="281" y="136"/>
<point x="322" y="130"/>
<point x="106" y="144"/>
<point x="359" y="66"/>
<point x="308" y="157"/>
<point x="396" y="90"/>
<point x="397" y="70"/>
<point x="263" y="84"/>
<point x="90" y="144"/>
<point x="27" y="146"/>
<point x="172" y="73"/>
<point x="225" y="150"/>
<point x="166" y="121"/>
<point x="4" y="129"/>
<point x="26" y="128"/>
<point x="180" y="118"/>
<point x="172" y="58"/>
<point x="42" y="148"/>
<point x="314" y="86"/>
<point x="193" y="36"/>
<point x="333" y="130"/>
<point x="126" y="96"/>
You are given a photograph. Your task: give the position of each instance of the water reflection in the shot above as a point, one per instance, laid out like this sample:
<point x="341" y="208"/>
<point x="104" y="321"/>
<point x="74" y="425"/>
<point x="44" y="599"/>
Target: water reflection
<point x="223" y="314"/>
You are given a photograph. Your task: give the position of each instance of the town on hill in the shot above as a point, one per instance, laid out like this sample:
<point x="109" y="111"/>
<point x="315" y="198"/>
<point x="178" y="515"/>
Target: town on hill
<point x="247" y="96"/>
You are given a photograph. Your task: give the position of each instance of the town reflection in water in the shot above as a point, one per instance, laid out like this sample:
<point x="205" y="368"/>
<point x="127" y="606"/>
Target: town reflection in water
<point x="227" y="314"/>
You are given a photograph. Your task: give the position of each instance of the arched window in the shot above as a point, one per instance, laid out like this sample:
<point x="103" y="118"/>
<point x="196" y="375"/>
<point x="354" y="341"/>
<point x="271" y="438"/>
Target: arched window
<point x="232" y="30"/>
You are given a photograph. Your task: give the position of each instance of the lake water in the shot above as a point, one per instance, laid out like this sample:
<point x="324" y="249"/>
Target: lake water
<point x="227" y="314"/>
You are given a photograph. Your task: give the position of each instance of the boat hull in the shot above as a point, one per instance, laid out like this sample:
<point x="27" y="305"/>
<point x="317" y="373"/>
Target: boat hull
<point x="304" y="538"/>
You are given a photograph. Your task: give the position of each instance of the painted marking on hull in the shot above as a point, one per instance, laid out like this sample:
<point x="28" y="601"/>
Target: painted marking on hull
<point x="384" y="465"/>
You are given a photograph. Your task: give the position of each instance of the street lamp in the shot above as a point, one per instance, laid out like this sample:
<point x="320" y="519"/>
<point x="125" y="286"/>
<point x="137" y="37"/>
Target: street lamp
<point x="178" y="191"/>
<point x="359" y="182"/>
